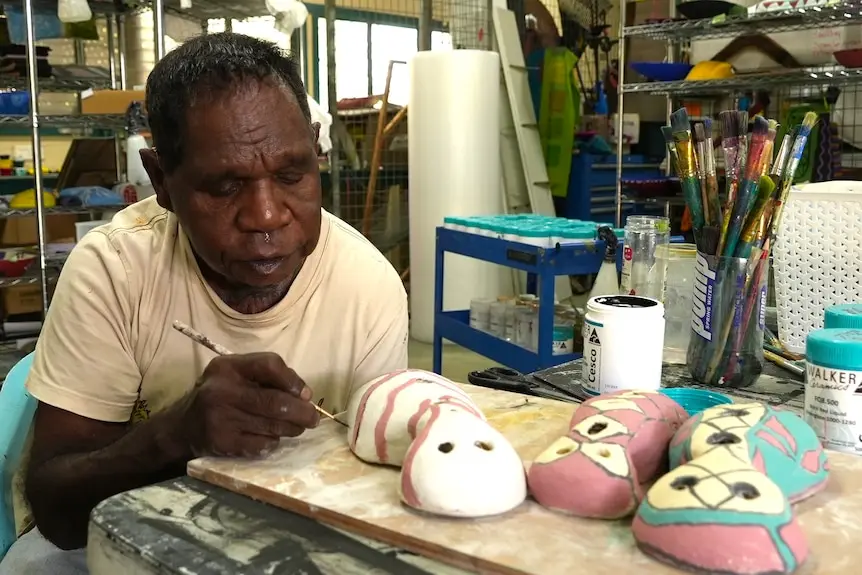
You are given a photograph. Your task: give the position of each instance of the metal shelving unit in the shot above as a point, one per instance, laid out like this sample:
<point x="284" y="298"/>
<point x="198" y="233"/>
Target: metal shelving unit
<point x="62" y="83"/>
<point x="679" y="32"/>
<point x="65" y="81"/>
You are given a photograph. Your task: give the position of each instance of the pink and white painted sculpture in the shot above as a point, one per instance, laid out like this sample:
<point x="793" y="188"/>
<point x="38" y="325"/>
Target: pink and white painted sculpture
<point x="452" y="461"/>
<point x="616" y="447"/>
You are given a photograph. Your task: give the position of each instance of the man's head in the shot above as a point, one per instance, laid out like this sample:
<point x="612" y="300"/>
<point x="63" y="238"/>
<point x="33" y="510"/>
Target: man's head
<point x="235" y="157"/>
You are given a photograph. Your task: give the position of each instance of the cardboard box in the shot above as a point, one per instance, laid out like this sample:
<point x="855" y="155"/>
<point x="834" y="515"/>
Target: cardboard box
<point x="22" y="231"/>
<point x="109" y="101"/>
<point x="21" y="299"/>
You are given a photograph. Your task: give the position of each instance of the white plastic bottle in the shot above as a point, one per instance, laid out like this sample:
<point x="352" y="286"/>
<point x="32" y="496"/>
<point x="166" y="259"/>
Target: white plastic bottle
<point x="623" y="341"/>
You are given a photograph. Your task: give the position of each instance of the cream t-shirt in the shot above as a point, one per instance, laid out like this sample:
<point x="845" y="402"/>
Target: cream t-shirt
<point x="108" y="352"/>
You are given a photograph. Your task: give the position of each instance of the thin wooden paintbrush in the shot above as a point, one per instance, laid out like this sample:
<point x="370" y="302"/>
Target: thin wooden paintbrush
<point x="712" y="198"/>
<point x="732" y="129"/>
<point x="200" y="338"/>
<point x="688" y="168"/>
<point x="700" y="148"/>
<point x="747" y="193"/>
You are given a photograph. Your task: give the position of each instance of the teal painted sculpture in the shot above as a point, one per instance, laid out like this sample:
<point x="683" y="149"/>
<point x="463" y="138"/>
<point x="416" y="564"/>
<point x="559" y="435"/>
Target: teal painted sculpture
<point x="780" y="445"/>
<point x="725" y="507"/>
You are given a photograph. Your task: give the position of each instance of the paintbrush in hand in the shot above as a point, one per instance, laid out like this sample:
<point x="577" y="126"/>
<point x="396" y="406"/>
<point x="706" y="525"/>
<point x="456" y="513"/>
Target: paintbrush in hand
<point x="200" y="338"/>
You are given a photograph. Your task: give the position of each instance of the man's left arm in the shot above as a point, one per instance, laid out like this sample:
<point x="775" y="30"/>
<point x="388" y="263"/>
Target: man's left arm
<point x="386" y="344"/>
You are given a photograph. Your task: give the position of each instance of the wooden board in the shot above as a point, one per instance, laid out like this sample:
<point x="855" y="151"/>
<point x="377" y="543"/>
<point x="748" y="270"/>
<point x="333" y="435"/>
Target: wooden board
<point x="317" y="476"/>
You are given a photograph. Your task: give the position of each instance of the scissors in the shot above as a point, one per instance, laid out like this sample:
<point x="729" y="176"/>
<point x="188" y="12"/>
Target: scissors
<point x="506" y="379"/>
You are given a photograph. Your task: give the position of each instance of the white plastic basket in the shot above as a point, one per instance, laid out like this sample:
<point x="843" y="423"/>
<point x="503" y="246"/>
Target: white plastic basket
<point x="817" y="260"/>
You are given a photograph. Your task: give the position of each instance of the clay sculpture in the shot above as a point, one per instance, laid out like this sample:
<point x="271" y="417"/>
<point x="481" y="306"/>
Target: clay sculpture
<point x="726" y="505"/>
<point x="452" y="461"/>
<point x="616" y="445"/>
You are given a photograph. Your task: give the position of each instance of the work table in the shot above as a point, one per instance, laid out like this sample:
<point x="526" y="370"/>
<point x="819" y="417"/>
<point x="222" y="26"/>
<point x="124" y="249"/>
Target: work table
<point x="188" y="526"/>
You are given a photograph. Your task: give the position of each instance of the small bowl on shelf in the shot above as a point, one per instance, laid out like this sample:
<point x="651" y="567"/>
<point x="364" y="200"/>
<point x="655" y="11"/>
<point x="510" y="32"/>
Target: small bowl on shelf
<point x="849" y="58"/>
<point x="662" y="71"/>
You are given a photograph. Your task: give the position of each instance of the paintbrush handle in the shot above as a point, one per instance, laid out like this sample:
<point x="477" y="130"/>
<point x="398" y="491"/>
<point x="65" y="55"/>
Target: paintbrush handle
<point x="744" y="203"/>
<point x="203" y="340"/>
<point x="713" y="201"/>
<point x="691" y="187"/>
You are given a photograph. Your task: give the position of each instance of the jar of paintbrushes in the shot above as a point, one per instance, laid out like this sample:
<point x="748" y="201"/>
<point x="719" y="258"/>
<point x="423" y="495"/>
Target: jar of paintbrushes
<point x="733" y="236"/>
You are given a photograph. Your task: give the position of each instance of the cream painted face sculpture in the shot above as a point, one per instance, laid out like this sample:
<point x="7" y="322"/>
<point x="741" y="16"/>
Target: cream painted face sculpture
<point x="725" y="507"/>
<point x="452" y="461"/>
<point x="616" y="444"/>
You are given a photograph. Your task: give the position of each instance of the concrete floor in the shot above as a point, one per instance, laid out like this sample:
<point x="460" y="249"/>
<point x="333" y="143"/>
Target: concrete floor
<point x="457" y="361"/>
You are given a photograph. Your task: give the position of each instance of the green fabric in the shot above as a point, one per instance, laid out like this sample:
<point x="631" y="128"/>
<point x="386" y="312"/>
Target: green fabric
<point x="559" y="115"/>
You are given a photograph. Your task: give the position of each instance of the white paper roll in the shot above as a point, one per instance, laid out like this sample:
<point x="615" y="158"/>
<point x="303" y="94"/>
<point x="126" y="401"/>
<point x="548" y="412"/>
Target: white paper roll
<point x="454" y="131"/>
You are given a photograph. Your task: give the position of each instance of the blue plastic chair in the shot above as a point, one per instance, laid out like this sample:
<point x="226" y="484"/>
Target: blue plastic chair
<point x="17" y="408"/>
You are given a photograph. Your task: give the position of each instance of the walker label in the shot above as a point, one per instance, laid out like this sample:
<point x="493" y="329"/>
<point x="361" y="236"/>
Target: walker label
<point x="833" y="407"/>
<point x="592" y="370"/>
<point x="702" y="298"/>
<point x="761" y="316"/>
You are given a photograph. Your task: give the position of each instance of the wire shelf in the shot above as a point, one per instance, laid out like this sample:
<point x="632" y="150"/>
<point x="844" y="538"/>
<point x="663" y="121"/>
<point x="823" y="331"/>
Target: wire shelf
<point x="53" y="85"/>
<point x="107" y="121"/>
<point x="211" y="9"/>
<point x="77" y="210"/>
<point x="841" y="14"/>
<point x="825" y="76"/>
<point x="28" y="280"/>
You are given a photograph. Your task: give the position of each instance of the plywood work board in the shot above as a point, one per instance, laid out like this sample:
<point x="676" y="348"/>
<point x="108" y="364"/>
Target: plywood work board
<point x="317" y="476"/>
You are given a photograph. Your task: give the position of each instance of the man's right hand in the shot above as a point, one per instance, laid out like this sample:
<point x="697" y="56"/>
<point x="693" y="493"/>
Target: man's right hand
<point x="243" y="404"/>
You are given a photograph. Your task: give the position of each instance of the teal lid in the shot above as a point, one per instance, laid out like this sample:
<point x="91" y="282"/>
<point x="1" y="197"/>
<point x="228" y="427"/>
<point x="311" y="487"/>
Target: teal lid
<point x="848" y="315"/>
<point x="533" y="232"/>
<point x="695" y="400"/>
<point x="835" y="348"/>
<point x="620" y="233"/>
<point x="450" y="220"/>
<point x="580" y="234"/>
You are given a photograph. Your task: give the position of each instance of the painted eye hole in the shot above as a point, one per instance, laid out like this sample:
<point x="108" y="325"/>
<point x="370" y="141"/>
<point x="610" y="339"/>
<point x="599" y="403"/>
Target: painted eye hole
<point x="446" y="447"/>
<point x="745" y="490"/>
<point x="722" y="438"/>
<point x="684" y="482"/>
<point x="597" y="427"/>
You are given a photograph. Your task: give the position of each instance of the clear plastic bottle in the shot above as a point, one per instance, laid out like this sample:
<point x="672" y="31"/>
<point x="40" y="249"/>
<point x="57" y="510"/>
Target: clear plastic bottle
<point x="641" y="275"/>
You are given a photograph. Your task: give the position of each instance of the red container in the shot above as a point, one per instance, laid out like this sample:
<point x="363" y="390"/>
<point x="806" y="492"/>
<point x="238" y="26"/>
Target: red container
<point x="849" y="58"/>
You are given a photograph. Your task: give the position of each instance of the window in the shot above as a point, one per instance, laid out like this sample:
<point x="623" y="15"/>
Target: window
<point x="390" y="43"/>
<point x="351" y="60"/>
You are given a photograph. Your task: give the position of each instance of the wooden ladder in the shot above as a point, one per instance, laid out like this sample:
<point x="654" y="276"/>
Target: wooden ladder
<point x="526" y="186"/>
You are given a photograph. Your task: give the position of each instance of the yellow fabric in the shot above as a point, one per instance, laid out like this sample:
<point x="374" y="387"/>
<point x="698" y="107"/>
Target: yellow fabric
<point x="27" y="199"/>
<point x="107" y="350"/>
<point x="710" y="70"/>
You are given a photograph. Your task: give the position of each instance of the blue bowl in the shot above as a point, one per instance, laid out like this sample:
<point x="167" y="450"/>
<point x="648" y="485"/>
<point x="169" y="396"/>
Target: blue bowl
<point x="693" y="401"/>
<point x="662" y="71"/>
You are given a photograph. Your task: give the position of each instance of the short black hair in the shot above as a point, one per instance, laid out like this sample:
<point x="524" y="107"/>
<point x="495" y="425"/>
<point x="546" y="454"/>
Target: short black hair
<point x="204" y="66"/>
